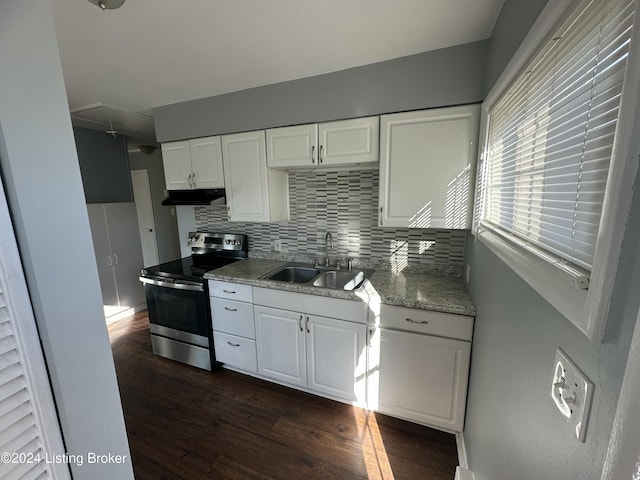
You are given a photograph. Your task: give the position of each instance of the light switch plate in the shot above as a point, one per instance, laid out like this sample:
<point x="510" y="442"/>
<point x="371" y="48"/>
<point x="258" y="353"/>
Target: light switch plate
<point x="572" y="391"/>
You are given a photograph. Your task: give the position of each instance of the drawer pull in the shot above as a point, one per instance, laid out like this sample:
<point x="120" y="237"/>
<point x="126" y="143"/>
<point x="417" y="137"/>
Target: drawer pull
<point x="234" y="344"/>
<point x="230" y="309"/>
<point x="229" y="291"/>
<point x="421" y="322"/>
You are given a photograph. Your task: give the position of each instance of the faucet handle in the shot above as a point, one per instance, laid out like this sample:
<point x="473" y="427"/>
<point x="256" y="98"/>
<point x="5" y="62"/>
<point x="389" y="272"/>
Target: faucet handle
<point x="350" y="264"/>
<point x="316" y="262"/>
<point x="339" y="264"/>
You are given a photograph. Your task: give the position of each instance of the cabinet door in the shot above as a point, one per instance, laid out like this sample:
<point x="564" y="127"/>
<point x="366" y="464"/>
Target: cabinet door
<point x="206" y="162"/>
<point x="427" y="164"/>
<point x="104" y="260"/>
<point x="336" y="357"/>
<point x="280" y="345"/>
<point x="419" y="377"/>
<point x="349" y="142"/>
<point x="177" y="165"/>
<point x="126" y="250"/>
<point x="245" y="176"/>
<point x="292" y="146"/>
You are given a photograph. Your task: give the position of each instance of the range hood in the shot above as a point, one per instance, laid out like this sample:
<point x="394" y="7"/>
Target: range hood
<point x="196" y="197"/>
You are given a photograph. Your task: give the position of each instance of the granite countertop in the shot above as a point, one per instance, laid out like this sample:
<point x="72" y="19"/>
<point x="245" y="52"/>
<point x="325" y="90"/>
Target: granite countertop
<point x="411" y="289"/>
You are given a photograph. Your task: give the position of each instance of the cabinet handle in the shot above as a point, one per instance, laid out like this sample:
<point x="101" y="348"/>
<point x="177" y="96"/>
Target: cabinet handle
<point x="421" y="322"/>
<point x="115" y="258"/>
<point x="308" y="331"/>
<point x="229" y="291"/>
<point x="372" y="331"/>
<point x="230" y="309"/>
<point x="189" y="180"/>
<point x="234" y="344"/>
<point x="320" y="155"/>
<point x="195" y="179"/>
<point x="301" y="327"/>
<point x="313" y="154"/>
<point x="109" y="260"/>
<point x="381" y="216"/>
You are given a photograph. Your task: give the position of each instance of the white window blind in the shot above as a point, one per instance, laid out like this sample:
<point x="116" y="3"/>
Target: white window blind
<point x="550" y="138"/>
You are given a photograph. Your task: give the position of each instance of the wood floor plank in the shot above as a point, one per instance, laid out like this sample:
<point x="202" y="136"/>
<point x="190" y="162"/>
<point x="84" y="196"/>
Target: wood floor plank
<point x="187" y="423"/>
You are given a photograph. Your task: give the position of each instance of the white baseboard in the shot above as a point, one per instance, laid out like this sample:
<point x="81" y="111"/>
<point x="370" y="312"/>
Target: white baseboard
<point x="462" y="471"/>
<point x="464" y="474"/>
<point x="462" y="451"/>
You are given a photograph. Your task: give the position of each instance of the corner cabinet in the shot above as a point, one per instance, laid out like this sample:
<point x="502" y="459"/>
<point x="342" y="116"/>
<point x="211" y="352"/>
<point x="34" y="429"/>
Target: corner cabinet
<point x="418" y="366"/>
<point x="255" y="193"/>
<point x="192" y="164"/>
<point x="427" y="164"/>
<point x="346" y="143"/>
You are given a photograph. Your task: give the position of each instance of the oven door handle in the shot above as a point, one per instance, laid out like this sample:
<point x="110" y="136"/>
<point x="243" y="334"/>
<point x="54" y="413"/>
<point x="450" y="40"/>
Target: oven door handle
<point x="178" y="285"/>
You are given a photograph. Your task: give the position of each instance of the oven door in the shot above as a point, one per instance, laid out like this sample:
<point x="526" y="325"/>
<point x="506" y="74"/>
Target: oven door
<point x="183" y="307"/>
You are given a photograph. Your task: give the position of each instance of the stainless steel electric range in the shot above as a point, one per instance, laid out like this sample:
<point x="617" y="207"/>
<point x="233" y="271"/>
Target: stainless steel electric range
<point x="178" y="298"/>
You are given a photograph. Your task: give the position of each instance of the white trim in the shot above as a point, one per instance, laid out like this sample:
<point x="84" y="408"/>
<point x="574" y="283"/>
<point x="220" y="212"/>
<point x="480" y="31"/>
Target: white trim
<point x="28" y="345"/>
<point x="617" y="201"/>
<point x="623" y="455"/>
<point x="464" y="474"/>
<point x="588" y="312"/>
<point x="463" y="461"/>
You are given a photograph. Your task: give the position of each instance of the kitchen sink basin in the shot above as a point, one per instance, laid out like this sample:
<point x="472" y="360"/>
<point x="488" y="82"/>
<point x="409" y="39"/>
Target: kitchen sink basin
<point x="339" y="280"/>
<point x="294" y="274"/>
<point x="322" y="277"/>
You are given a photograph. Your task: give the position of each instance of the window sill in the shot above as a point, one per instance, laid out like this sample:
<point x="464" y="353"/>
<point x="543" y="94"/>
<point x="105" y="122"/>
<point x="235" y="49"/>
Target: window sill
<point x="547" y="280"/>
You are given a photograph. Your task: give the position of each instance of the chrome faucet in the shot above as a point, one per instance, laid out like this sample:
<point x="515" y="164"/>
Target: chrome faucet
<point x="328" y="245"/>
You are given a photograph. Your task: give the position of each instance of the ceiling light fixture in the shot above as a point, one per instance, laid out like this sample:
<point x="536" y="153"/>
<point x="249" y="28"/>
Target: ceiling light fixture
<point x="107" y="4"/>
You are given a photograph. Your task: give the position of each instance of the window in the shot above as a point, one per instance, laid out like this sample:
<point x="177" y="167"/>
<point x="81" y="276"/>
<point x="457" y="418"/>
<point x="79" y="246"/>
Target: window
<point x="550" y="137"/>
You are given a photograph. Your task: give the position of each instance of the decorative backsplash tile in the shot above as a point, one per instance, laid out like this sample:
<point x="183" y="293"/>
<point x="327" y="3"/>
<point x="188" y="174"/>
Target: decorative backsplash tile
<point x="346" y="205"/>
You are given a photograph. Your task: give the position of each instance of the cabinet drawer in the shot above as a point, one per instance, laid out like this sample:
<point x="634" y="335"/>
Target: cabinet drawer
<point x="229" y="316"/>
<point x="232" y="291"/>
<point x="425" y="321"/>
<point x="235" y="351"/>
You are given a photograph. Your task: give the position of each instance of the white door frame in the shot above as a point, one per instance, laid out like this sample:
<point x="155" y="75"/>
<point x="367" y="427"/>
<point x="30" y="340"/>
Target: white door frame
<point x="21" y="324"/>
<point x="137" y="194"/>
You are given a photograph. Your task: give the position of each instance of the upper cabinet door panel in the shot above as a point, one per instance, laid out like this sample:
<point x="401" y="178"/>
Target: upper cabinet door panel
<point x="427" y="166"/>
<point x="206" y="162"/>
<point x="349" y="142"/>
<point x="292" y="146"/>
<point x="177" y="165"/>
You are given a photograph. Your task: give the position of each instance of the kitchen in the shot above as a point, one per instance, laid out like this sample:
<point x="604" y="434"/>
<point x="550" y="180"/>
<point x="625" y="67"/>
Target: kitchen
<point x="496" y="332"/>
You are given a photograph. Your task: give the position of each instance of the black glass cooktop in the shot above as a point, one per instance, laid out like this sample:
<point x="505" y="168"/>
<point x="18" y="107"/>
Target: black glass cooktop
<point x="188" y="268"/>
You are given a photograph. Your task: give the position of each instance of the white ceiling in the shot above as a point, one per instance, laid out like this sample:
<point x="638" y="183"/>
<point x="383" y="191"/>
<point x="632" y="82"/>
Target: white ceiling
<point x="150" y="53"/>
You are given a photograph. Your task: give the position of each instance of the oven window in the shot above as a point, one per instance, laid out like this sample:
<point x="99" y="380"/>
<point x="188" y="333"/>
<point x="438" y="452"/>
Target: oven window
<point x="184" y="310"/>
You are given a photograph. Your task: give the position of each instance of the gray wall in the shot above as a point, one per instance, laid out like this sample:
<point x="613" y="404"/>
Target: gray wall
<point x="104" y="166"/>
<point x="39" y="168"/>
<point x="512" y="427"/>
<point x="449" y="76"/>
<point x="166" y="224"/>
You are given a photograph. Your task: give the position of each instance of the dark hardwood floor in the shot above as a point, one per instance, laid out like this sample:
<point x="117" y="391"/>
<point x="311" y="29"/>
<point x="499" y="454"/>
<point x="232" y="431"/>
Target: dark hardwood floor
<point x="186" y="423"/>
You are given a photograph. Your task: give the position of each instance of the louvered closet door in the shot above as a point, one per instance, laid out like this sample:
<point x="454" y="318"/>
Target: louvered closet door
<point x="29" y="429"/>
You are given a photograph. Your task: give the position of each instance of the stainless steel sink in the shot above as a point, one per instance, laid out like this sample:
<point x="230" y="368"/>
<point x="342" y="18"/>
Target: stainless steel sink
<point x="294" y="274"/>
<point x="339" y="280"/>
<point x="321" y="277"/>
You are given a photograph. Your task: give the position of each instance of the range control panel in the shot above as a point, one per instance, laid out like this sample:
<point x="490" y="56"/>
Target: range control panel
<point x="217" y="241"/>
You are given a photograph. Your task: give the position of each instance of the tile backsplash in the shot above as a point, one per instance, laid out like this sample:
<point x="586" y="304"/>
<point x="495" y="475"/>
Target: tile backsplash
<point x="344" y="203"/>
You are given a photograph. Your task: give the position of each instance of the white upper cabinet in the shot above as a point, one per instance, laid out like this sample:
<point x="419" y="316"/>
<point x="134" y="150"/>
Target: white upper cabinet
<point x="346" y="143"/>
<point x="192" y="164"/>
<point x="255" y="193"/>
<point x="427" y="164"/>
<point x="292" y="146"/>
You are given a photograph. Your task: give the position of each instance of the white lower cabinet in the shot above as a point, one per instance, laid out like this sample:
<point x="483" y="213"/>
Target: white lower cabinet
<point x="233" y="325"/>
<point x="414" y="366"/>
<point x="326" y="355"/>
<point x="417" y="376"/>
